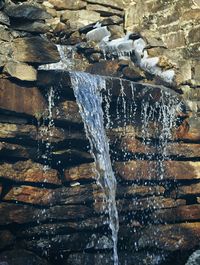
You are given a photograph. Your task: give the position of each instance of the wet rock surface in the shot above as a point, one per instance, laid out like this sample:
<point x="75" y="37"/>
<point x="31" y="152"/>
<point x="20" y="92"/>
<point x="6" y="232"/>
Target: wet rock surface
<point x="51" y="209"/>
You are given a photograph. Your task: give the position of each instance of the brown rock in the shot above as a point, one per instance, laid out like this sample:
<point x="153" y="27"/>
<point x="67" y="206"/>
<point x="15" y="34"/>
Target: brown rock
<point x="179" y="214"/>
<point x="186" y="190"/>
<point x="67" y="111"/>
<point x="139" y="169"/>
<point x="105" y="68"/>
<point x="18" y="131"/>
<point x="30" y="172"/>
<point x="48" y="197"/>
<point x="141" y="204"/>
<point x="68" y="4"/>
<point x="20" y="214"/>
<point x="129" y="144"/>
<point x="171" y="237"/>
<point x="192" y="14"/>
<point x="84" y="171"/>
<point x="20" y="71"/>
<point x="174" y="40"/>
<point x="138" y="191"/>
<point x="29" y="134"/>
<point x="189" y="130"/>
<point x="31" y="195"/>
<point x="7" y="239"/>
<point x="21" y="99"/>
<point x="35" y="50"/>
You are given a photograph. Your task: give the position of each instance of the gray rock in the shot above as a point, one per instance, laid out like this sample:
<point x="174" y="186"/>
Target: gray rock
<point x="27" y="11"/>
<point x="4" y="19"/>
<point x="194" y="259"/>
<point x="35" y="26"/>
<point x="2" y="3"/>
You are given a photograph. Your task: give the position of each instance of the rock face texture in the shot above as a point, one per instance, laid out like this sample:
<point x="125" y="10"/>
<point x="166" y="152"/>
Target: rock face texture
<point x="52" y="210"/>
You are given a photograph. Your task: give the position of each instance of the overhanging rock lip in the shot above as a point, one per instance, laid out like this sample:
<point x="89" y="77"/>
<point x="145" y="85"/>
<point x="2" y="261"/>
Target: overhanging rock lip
<point x="143" y="91"/>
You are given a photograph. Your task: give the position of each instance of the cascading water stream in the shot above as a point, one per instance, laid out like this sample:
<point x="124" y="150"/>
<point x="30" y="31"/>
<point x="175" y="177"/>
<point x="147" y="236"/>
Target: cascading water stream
<point x="87" y="92"/>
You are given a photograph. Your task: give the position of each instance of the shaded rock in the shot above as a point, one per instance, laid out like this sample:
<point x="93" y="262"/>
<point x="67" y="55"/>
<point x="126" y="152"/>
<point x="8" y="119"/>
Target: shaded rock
<point x="139" y="169"/>
<point x="70" y="242"/>
<point x="4" y="19"/>
<point x="179" y="214"/>
<point x="2" y="3"/>
<point x="7" y="239"/>
<point x="26" y="11"/>
<point x="171" y="237"/>
<point x="134" y="74"/>
<point x="20" y="71"/>
<point x="68" y="4"/>
<point x="29" y="172"/>
<point x="104" y="10"/>
<point x="21" y="99"/>
<point x="35" y="50"/>
<point x="186" y="190"/>
<point x="17" y="151"/>
<point x="22" y="257"/>
<point x="128" y="258"/>
<point x="67" y="111"/>
<point x="140" y="204"/>
<point x="35" y="27"/>
<point x="194" y="259"/>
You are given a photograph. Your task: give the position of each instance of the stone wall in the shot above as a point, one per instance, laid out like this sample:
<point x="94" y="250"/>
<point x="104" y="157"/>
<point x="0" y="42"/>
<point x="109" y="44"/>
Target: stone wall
<point x="51" y="209"/>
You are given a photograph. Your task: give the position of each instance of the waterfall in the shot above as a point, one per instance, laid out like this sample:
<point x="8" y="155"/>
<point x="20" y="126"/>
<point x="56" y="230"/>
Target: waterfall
<point x="87" y="92"/>
<point x="66" y="53"/>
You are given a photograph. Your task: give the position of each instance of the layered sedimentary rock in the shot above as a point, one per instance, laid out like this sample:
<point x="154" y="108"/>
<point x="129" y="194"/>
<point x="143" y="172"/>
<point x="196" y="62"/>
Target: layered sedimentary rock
<point x="51" y="207"/>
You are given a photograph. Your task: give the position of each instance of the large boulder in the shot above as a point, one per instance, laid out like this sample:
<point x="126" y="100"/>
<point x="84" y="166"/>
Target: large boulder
<point x="21" y="71"/>
<point x="27" y="11"/>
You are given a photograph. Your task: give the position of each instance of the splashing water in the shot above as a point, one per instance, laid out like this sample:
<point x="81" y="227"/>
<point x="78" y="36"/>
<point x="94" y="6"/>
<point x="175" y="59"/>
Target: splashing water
<point x="87" y="92"/>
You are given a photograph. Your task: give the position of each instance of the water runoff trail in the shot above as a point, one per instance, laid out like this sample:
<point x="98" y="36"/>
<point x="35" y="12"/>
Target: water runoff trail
<point x="87" y="92"/>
